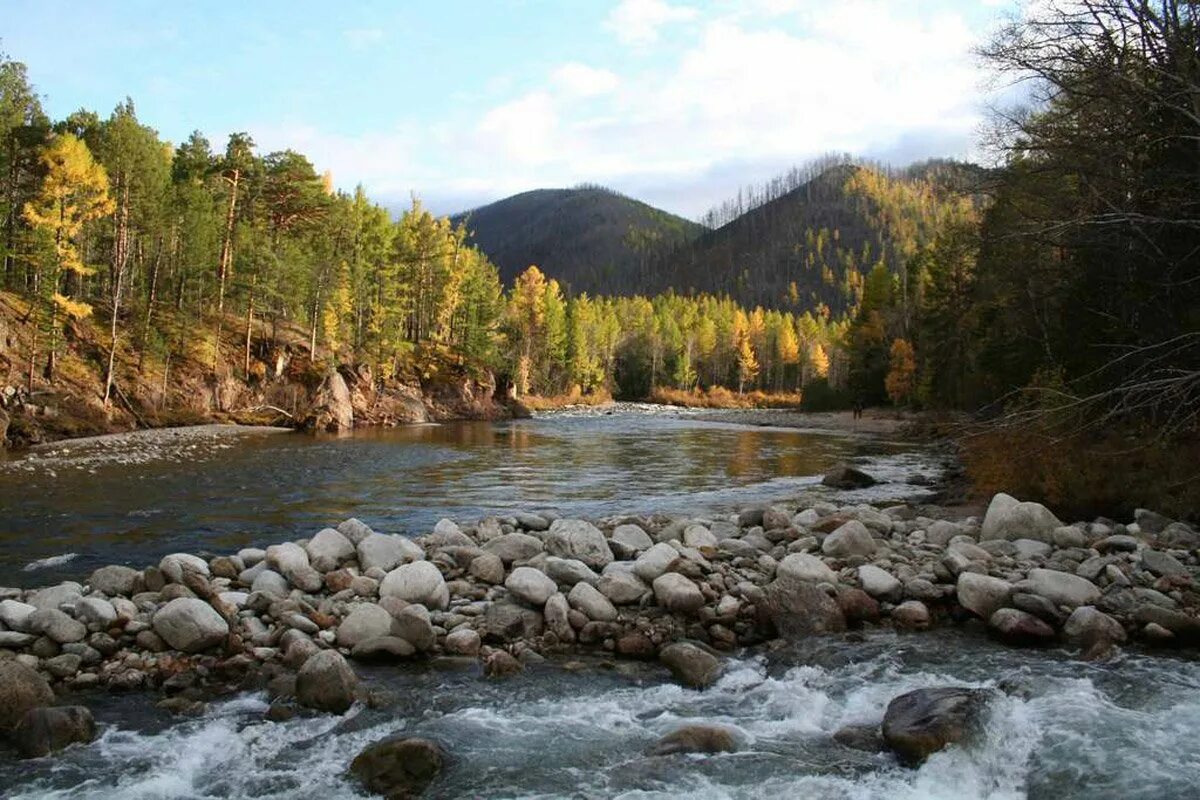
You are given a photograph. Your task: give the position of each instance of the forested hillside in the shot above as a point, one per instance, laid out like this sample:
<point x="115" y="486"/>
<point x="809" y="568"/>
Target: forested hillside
<point x="589" y="238"/>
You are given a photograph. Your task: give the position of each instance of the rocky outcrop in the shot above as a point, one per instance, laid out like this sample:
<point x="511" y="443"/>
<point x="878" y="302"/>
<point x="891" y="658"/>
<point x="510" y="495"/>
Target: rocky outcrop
<point x="332" y="411"/>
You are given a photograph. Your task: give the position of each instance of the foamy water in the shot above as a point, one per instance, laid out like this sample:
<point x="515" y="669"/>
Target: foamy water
<point x="1120" y="730"/>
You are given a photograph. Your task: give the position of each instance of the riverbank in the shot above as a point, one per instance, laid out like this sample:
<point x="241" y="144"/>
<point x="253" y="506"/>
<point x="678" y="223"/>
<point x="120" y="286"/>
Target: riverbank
<point x="686" y="593"/>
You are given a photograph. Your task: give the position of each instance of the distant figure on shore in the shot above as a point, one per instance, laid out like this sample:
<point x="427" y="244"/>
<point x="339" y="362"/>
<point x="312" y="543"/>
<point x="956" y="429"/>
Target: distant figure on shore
<point x="858" y="408"/>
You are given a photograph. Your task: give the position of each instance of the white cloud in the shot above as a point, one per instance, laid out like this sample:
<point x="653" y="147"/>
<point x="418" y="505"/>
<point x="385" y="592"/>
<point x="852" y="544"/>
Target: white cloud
<point x="638" y="22"/>
<point x="580" y="80"/>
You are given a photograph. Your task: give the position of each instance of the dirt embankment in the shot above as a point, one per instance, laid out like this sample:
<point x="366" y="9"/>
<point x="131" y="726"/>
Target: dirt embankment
<point x="167" y="384"/>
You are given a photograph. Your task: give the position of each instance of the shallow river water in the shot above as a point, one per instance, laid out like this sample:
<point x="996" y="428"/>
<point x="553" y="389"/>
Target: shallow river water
<point x="1123" y="730"/>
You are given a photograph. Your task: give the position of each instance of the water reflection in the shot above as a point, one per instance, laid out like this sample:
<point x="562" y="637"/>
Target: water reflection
<point x="262" y="489"/>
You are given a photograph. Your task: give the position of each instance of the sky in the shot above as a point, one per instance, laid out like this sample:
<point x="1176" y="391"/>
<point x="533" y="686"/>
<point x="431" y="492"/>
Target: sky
<point x="675" y="102"/>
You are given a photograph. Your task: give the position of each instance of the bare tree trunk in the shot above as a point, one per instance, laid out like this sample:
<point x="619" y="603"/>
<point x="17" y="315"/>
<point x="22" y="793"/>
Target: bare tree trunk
<point x="249" y="325"/>
<point x="151" y="298"/>
<point x="120" y="262"/>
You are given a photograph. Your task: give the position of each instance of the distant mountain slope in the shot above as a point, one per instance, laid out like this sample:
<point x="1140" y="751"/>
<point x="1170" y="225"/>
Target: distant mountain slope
<point x="591" y="239"/>
<point x="815" y="243"/>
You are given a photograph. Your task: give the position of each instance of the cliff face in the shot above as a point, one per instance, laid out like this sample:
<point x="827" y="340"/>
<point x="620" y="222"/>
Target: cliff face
<point x="282" y="385"/>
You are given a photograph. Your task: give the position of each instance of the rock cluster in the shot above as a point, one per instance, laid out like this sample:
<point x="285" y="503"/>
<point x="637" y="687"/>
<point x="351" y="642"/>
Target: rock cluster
<point x="508" y="590"/>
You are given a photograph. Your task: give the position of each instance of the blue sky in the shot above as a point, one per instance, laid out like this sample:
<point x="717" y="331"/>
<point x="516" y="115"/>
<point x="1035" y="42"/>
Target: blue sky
<point x="675" y="102"/>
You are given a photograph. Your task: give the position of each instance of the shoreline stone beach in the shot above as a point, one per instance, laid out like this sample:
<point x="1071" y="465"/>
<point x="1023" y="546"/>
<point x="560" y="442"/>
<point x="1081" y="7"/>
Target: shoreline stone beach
<point x="294" y="618"/>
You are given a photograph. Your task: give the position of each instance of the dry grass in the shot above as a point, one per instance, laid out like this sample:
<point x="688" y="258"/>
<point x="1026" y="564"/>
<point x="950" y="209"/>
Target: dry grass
<point x="1088" y="475"/>
<point x="575" y="397"/>
<point x="720" y="397"/>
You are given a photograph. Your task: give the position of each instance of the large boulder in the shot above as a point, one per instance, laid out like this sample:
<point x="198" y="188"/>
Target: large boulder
<point x="695" y="739"/>
<point x="1093" y="630"/>
<point x="42" y="731"/>
<point x="418" y="582"/>
<point x="332" y="411"/>
<point x="795" y="608"/>
<point x="530" y="586"/>
<point x="983" y="594"/>
<point x="377" y="550"/>
<point x="326" y="682"/>
<point x="398" y="768"/>
<point x="575" y="538"/>
<point x="190" y="625"/>
<point x="692" y="666"/>
<point x="21" y="689"/>
<point x="805" y="567"/>
<point x="1060" y="588"/>
<point x="116" y="580"/>
<point x="1019" y="628"/>
<point x="677" y="593"/>
<point x="365" y="621"/>
<point x="851" y="539"/>
<point x="414" y="625"/>
<point x="844" y="476"/>
<point x="1009" y="518"/>
<point x="920" y="723"/>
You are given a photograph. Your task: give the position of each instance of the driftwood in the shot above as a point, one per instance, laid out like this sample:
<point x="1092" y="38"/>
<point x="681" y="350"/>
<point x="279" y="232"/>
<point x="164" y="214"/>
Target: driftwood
<point x="264" y="407"/>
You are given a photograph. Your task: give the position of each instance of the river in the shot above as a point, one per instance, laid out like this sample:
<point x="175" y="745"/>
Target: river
<point x="1119" y="730"/>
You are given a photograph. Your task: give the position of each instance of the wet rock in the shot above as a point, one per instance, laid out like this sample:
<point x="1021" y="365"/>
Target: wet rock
<point x="418" y="582"/>
<point x="857" y="606"/>
<point x="508" y="622"/>
<point x="530" y="586"/>
<point x="1040" y="607"/>
<point x="805" y="567"/>
<point x="365" y="621"/>
<point x="1093" y="629"/>
<point x="851" y="539"/>
<point x="844" y="476"/>
<point x="691" y="666"/>
<point x="531" y="522"/>
<point x="982" y="594"/>
<point x="636" y="644"/>
<point x="398" y="768"/>
<point x="1008" y="518"/>
<point x="1019" y="628"/>
<point x="501" y="664"/>
<point x="677" y="593"/>
<point x="464" y="642"/>
<point x="116" y="581"/>
<point x="326" y="683"/>
<point x="920" y="723"/>
<point x="911" y="615"/>
<point x="56" y="625"/>
<point x="794" y="608"/>
<point x="1060" y="588"/>
<point x="42" y="731"/>
<point x="383" y="648"/>
<point x="190" y="625"/>
<point x="21" y="689"/>
<point x="695" y="739"/>
<point x="867" y="738"/>
<point x="514" y="547"/>
<point x="575" y="538"/>
<point x="1185" y="628"/>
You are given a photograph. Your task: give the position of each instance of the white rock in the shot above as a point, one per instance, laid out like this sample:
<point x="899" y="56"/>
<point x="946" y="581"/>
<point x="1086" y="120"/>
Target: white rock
<point x="569" y="571"/>
<point x="1061" y="588"/>
<point x="418" y="582"/>
<point x="376" y="550"/>
<point x="355" y="530"/>
<point x="530" y="585"/>
<point x="65" y="594"/>
<point x="655" y="561"/>
<point x="805" y="567"/>
<point x="982" y="594"/>
<point x="270" y="582"/>
<point x="586" y="598"/>
<point x="633" y="537"/>
<point x="851" y="539"/>
<point x="365" y="621"/>
<point x="190" y="625"/>
<point x="15" y="615"/>
<point x="879" y="583"/>
<point x="329" y="546"/>
<point x="1008" y="518"/>
<point x="622" y="587"/>
<point x="575" y="538"/>
<point x="95" y="611"/>
<point x="698" y="536"/>
<point x="173" y="566"/>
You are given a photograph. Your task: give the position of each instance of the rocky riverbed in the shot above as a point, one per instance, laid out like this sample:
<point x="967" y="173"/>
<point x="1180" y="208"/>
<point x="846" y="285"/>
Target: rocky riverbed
<point x="311" y="622"/>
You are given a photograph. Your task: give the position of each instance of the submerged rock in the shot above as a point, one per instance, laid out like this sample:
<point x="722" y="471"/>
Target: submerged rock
<point x="695" y="739"/>
<point x="920" y="723"/>
<point x="844" y="476"/>
<point x="398" y="768"/>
